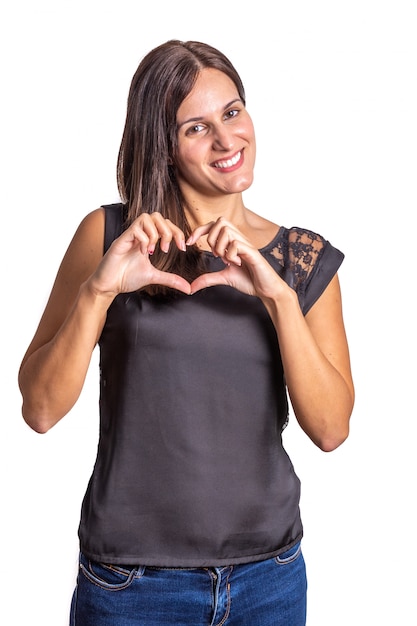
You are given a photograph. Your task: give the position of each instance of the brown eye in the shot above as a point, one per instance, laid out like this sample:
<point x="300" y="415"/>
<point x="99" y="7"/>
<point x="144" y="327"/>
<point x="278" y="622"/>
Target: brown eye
<point x="194" y="129"/>
<point x="232" y="113"/>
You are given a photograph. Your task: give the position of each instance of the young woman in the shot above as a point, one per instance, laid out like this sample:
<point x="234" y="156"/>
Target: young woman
<point x="206" y="315"/>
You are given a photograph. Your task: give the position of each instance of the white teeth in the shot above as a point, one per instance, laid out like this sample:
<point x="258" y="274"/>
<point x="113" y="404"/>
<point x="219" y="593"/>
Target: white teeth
<point x="229" y="162"/>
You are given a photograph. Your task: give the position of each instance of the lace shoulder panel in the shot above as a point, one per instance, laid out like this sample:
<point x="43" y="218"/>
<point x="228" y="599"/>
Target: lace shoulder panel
<point x="298" y="251"/>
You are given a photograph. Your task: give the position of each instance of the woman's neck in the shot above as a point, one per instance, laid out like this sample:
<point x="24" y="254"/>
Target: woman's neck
<point x="257" y="229"/>
<point x="200" y="212"/>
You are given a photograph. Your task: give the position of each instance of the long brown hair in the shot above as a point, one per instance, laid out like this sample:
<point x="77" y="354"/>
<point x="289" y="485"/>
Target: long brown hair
<point x="146" y="162"/>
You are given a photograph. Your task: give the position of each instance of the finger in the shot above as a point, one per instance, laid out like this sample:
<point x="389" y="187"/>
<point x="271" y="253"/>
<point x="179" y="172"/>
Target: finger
<point x="146" y="233"/>
<point x="232" y="253"/>
<point x="198" y="232"/>
<point x="218" y="241"/>
<point x="168" y="231"/>
<point x="133" y="236"/>
<point x="219" y="236"/>
<point x="177" y="235"/>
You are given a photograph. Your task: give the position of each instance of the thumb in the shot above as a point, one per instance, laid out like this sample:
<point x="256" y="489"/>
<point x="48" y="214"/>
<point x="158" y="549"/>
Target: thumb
<point x="167" y="279"/>
<point x="209" y="280"/>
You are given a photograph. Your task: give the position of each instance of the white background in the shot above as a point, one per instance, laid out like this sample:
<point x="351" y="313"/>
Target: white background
<point x="331" y="87"/>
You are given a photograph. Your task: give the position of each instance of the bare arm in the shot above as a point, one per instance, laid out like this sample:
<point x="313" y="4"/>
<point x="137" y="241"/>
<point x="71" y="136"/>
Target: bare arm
<point x="316" y="363"/>
<point x="314" y="348"/>
<point x="54" y="368"/>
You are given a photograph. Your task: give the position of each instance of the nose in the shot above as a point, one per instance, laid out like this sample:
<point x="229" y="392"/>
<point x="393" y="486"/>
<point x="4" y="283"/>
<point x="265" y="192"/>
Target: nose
<point x="222" y="138"/>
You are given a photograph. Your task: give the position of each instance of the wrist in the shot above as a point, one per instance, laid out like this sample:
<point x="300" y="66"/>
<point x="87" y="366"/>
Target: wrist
<point x="283" y="303"/>
<point x="94" y="296"/>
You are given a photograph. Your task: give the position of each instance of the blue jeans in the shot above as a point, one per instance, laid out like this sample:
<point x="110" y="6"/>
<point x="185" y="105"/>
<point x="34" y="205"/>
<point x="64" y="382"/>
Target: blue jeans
<point x="267" y="593"/>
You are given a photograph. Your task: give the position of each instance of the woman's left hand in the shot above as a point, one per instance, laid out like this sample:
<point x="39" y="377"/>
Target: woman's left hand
<point x="246" y="269"/>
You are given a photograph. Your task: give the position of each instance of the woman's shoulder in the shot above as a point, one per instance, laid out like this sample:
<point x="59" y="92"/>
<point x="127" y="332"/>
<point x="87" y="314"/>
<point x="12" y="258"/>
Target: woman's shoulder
<point x="297" y="243"/>
<point x="268" y="234"/>
<point x="261" y="231"/>
<point x="300" y="252"/>
<point x="90" y="231"/>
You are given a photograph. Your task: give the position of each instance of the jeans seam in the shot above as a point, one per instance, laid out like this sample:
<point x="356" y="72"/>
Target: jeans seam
<point x="279" y="561"/>
<point x="95" y="580"/>
<point x="228" y="592"/>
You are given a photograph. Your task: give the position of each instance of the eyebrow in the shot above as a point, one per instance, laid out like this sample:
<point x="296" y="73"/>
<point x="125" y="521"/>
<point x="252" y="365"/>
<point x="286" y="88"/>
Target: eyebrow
<point x="200" y="118"/>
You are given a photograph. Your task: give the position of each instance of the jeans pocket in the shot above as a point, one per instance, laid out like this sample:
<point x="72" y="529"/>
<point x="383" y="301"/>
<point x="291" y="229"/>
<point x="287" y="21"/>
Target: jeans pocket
<point x="290" y="555"/>
<point x="106" y="576"/>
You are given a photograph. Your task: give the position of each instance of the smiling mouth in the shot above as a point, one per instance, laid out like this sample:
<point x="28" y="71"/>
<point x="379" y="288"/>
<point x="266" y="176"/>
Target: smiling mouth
<point x="229" y="162"/>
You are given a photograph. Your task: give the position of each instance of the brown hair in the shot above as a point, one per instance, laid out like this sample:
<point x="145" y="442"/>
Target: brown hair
<point x="145" y="168"/>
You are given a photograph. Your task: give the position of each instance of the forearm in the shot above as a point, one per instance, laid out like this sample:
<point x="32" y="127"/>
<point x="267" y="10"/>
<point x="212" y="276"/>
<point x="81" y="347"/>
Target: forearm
<point x="320" y="394"/>
<point x="52" y="377"/>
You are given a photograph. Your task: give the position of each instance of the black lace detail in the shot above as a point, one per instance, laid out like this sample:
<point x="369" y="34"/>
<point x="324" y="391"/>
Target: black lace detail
<point x="298" y="252"/>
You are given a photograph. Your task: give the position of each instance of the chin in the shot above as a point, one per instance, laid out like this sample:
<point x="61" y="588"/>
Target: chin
<point x="243" y="184"/>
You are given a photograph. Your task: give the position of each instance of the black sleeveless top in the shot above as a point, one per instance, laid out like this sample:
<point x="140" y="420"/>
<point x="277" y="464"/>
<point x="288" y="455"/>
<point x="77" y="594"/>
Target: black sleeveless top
<point x="190" y="467"/>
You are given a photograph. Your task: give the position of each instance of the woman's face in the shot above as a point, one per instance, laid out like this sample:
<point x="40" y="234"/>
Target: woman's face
<point x="216" y="140"/>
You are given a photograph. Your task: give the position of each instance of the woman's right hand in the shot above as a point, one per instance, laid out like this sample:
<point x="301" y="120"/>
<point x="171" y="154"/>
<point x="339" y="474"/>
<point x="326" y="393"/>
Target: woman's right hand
<point x="126" y="266"/>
